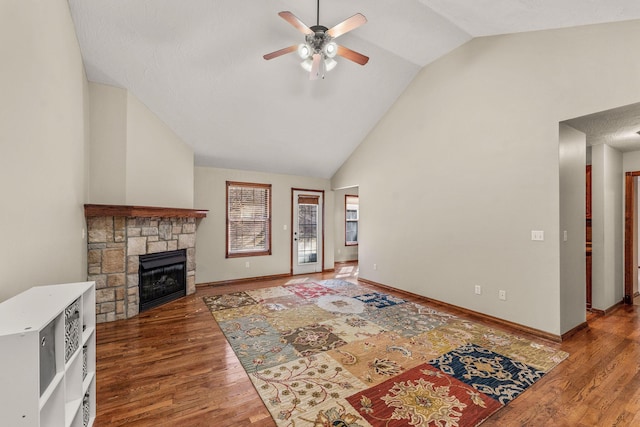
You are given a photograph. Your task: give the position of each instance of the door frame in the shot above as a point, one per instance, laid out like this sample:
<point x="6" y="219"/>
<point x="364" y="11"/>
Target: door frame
<point x="293" y="190"/>
<point x="629" y="233"/>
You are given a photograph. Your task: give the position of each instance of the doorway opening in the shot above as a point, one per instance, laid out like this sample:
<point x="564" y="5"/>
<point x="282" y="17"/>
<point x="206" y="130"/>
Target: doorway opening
<point x="630" y="236"/>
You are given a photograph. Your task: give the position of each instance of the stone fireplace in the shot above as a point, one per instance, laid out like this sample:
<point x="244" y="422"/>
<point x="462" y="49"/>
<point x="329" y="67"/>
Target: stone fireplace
<point x="118" y="236"/>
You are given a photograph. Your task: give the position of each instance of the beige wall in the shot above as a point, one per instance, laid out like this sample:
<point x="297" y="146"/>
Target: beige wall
<point x="108" y="146"/>
<point x="607" y="226"/>
<point x="210" y="190"/>
<point x="135" y="158"/>
<point x="631" y="161"/>
<point x="342" y="251"/>
<point x="572" y="159"/>
<point x="159" y="164"/>
<point x="469" y="154"/>
<point x="43" y="129"/>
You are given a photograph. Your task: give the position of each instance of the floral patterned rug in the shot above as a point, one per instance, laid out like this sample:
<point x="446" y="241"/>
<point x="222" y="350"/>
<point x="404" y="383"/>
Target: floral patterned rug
<point x="335" y="353"/>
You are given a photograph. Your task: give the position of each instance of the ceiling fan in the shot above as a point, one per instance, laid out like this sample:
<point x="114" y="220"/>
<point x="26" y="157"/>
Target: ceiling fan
<point x="319" y="50"/>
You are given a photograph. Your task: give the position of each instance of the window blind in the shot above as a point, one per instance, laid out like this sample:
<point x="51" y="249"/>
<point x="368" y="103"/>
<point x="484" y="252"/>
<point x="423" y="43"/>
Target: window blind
<point x="248" y="219"/>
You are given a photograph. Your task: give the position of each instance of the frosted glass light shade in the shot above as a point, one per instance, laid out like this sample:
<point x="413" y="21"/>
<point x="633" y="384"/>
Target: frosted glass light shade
<point x="307" y="64"/>
<point x="330" y="49"/>
<point x="304" y="51"/>
<point x="330" y="64"/>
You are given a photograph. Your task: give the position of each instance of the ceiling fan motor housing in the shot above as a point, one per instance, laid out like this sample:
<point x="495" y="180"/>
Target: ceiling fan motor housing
<point x="319" y="38"/>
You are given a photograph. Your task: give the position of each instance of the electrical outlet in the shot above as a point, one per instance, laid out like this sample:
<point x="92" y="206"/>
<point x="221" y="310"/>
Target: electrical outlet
<point x="537" y="235"/>
<point x="502" y="295"/>
<point x="478" y="290"/>
<point x="246" y="264"/>
<point x="375" y="266"/>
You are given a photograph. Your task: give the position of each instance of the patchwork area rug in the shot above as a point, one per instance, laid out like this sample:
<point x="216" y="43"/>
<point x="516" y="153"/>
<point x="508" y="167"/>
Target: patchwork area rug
<point x="334" y="353"/>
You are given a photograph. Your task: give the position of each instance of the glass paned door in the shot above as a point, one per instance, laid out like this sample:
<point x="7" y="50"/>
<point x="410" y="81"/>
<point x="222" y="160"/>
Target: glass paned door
<point x="307" y="232"/>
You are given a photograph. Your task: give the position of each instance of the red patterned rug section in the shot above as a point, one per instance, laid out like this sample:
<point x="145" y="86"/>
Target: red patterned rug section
<point x="310" y="290"/>
<point x="423" y="396"/>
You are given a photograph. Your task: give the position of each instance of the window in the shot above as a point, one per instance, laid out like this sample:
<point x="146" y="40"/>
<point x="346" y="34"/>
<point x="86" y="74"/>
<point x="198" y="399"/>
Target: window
<point x="351" y="215"/>
<point x="248" y="219"/>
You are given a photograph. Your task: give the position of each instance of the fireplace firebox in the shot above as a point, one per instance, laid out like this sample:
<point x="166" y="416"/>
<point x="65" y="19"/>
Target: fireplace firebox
<point x="162" y="278"/>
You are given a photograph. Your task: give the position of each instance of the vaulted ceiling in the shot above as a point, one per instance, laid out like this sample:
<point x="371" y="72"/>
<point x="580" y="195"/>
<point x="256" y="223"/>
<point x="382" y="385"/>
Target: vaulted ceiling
<point x="198" y="65"/>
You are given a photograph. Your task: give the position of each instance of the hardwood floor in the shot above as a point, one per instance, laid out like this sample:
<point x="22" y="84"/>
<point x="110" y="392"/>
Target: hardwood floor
<point x="172" y="366"/>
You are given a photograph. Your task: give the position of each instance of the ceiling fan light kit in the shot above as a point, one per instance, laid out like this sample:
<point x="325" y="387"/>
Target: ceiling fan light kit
<point x="304" y="51"/>
<point x="319" y="50"/>
<point x="330" y="49"/>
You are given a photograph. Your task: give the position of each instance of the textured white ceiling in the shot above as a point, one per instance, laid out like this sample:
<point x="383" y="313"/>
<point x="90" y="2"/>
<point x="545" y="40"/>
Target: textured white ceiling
<point x="198" y="65"/>
<point x="617" y="127"/>
<point x="490" y="17"/>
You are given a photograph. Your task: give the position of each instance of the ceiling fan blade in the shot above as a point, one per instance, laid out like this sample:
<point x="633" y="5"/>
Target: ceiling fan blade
<point x="296" y="22"/>
<point x="347" y="25"/>
<point x="352" y="55"/>
<point x="315" y="67"/>
<point x="280" y="52"/>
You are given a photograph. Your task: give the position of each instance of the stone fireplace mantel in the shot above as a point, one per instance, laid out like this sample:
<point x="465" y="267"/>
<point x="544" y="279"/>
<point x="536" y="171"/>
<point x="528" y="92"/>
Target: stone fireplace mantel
<point x="118" y="235"/>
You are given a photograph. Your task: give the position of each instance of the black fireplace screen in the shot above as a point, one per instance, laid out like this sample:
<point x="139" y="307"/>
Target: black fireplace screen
<point x="162" y="278"/>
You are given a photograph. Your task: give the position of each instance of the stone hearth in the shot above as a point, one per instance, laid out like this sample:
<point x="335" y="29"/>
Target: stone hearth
<point x="118" y="235"/>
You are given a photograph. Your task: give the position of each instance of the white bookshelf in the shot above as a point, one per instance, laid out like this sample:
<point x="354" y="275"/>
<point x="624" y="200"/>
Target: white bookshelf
<point x="48" y="357"/>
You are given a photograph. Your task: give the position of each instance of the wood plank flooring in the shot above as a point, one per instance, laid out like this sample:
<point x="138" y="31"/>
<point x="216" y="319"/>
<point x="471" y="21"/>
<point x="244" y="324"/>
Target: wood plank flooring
<point x="172" y="366"/>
